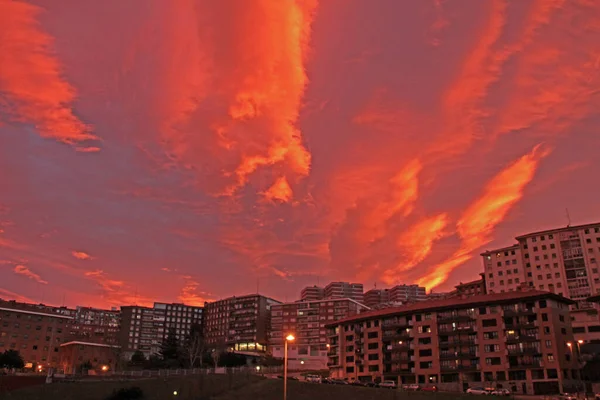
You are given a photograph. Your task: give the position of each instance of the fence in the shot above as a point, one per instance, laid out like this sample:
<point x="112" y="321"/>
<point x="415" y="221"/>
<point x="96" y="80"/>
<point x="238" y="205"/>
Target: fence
<point x="197" y="371"/>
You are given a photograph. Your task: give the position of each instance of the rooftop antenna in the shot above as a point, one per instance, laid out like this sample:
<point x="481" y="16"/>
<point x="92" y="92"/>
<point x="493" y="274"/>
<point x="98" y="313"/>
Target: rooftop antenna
<point x="135" y="297"/>
<point x="568" y="217"/>
<point x="375" y="285"/>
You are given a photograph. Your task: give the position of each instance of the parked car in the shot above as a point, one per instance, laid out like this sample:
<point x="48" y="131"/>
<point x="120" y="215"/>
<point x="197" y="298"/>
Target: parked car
<point x="412" y="387"/>
<point x="313" y="378"/>
<point x="430" y="388"/>
<point x="388" y="385"/>
<point x="371" y="384"/>
<point x="339" y="382"/>
<point x="478" y="390"/>
<point x="358" y="383"/>
<point x="326" y="381"/>
<point x="500" y="392"/>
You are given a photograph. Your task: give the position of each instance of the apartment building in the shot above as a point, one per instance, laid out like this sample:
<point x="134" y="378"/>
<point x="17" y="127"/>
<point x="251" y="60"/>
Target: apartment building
<point x="344" y="290"/>
<point x="239" y="323"/>
<point x="311" y="293"/>
<point x="306" y="321"/>
<point x="375" y="297"/>
<point x="36" y="335"/>
<point x="522" y="341"/>
<point x="407" y="293"/>
<point x="563" y="260"/>
<point x="96" y="325"/>
<point x="145" y="328"/>
<point x="470" y="288"/>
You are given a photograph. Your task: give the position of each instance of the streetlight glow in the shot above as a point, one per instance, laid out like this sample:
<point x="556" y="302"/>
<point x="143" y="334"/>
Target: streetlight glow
<point x="290" y="337"/>
<point x="569" y="344"/>
<point x="105" y="368"/>
<point x="580" y="341"/>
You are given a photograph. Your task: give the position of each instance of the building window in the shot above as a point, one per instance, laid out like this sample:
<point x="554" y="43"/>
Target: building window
<point x="550" y="357"/>
<point x="425" y="353"/>
<point x="544" y="317"/>
<point x="373" y="356"/>
<point x="373" y="368"/>
<point x="492" y="361"/>
<point x="373" y="346"/>
<point x="548" y="343"/>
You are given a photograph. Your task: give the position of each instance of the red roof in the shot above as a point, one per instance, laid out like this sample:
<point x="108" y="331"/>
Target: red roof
<point x="455" y="302"/>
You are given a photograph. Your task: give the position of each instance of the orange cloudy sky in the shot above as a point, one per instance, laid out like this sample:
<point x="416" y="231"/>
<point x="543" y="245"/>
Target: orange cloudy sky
<point x="195" y="149"/>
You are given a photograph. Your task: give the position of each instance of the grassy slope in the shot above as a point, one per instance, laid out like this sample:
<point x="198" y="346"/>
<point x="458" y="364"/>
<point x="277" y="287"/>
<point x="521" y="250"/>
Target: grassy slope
<point x="188" y="388"/>
<point x="273" y="390"/>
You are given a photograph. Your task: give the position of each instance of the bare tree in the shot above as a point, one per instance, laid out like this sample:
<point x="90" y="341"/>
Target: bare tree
<point x="194" y="346"/>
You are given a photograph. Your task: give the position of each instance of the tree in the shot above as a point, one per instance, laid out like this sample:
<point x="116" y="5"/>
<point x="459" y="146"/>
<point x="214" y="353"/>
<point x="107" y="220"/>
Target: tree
<point x="193" y="348"/>
<point x="138" y="358"/>
<point x="169" y="349"/>
<point x="11" y="359"/>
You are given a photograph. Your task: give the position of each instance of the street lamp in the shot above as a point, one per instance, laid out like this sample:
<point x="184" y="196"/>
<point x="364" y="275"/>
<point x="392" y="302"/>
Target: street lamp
<point x="289" y="338"/>
<point x="105" y="368"/>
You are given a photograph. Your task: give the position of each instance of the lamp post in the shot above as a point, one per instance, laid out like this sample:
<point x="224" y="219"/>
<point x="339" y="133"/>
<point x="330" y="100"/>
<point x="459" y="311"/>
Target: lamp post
<point x="289" y="338"/>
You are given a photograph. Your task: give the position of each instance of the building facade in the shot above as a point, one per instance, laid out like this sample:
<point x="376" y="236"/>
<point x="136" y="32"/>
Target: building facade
<point x="145" y="328"/>
<point x="375" y="297"/>
<point x="239" y="323"/>
<point x="563" y="261"/>
<point x="407" y="293"/>
<point x="102" y="358"/>
<point x="93" y="325"/>
<point x="36" y="335"/>
<point x="306" y="320"/>
<point x="518" y="340"/>
<point x="344" y="290"/>
<point x="311" y="293"/>
<point x="471" y="288"/>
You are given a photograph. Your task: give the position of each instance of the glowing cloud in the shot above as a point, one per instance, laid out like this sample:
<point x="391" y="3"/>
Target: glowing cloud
<point x="415" y="244"/>
<point x="80" y="255"/>
<point x="190" y="295"/>
<point x="255" y="89"/>
<point x="280" y="191"/>
<point x="478" y="221"/>
<point x="23" y="270"/>
<point x="31" y="77"/>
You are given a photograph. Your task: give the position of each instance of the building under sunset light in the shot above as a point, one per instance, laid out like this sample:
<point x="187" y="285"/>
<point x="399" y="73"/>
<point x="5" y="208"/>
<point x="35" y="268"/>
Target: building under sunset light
<point x="518" y="341"/>
<point x="565" y="261"/>
<point x="239" y="323"/>
<point x="306" y="320"/>
<point x="145" y="328"/>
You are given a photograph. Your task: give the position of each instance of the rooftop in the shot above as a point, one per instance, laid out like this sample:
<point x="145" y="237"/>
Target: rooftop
<point x="501" y="249"/>
<point x="456" y="302"/>
<point x="556" y="230"/>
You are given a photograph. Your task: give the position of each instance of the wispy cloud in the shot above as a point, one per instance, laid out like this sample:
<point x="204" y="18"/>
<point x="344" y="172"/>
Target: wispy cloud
<point x="25" y="271"/>
<point x="32" y="78"/>
<point x="476" y="224"/>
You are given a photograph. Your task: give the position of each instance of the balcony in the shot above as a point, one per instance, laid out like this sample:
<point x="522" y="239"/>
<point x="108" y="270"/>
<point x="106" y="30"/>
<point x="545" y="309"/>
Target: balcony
<point x="459" y="343"/>
<point x="521" y="338"/>
<point x="514" y="312"/>
<point x="526" y="364"/>
<point x="403" y="370"/>
<point x="398" y="323"/>
<point x="525" y="350"/>
<point x="455" y="317"/>
<point x="458" y="368"/>
<point x="451" y="330"/>
<point x="463" y="355"/>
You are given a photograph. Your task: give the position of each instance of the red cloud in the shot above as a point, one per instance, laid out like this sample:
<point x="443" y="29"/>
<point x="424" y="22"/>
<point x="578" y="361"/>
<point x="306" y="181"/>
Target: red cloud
<point x="81" y="255"/>
<point x="31" y="77"/>
<point x="23" y="270"/>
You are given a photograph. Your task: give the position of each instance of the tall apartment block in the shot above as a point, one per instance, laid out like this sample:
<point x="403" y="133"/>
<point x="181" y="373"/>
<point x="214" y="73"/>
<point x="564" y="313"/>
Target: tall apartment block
<point x="399" y="294"/>
<point x="406" y="293"/>
<point x="311" y="293"/>
<point x="144" y="328"/>
<point x="520" y="340"/>
<point x="375" y="297"/>
<point x="563" y="261"/>
<point x="334" y="290"/>
<point x="306" y="321"/>
<point x="96" y="325"/>
<point x="239" y="323"/>
<point x="344" y="290"/>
